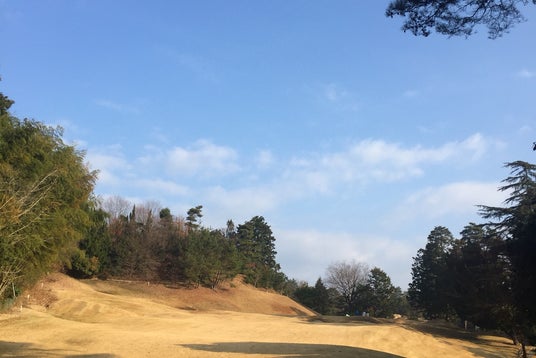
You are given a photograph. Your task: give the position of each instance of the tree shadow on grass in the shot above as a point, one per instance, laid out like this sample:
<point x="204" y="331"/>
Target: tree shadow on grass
<point x="24" y="349"/>
<point x="489" y="345"/>
<point x="294" y="350"/>
<point x="343" y="320"/>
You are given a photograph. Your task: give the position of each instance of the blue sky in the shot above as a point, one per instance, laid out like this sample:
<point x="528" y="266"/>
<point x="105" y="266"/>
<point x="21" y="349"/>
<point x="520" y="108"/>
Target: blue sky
<point x="352" y="138"/>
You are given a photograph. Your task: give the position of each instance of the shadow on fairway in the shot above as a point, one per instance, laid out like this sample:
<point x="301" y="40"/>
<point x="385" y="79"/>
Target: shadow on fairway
<point x="294" y="350"/>
<point x="24" y="349"/>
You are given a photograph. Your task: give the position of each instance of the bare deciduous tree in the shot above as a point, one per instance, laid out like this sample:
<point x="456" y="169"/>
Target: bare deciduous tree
<point x="346" y="278"/>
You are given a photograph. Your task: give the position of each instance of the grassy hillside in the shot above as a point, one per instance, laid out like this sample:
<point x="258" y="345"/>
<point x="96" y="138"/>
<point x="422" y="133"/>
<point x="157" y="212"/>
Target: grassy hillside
<point x="64" y="317"/>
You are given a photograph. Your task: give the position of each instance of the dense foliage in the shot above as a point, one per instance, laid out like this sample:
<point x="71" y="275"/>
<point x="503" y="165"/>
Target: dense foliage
<point x="45" y="192"/>
<point x="150" y="246"/>
<point x="488" y="276"/>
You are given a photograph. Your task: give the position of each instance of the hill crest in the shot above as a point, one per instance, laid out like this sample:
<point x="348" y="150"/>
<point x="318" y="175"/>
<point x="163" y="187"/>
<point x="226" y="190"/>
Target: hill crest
<point x="57" y="290"/>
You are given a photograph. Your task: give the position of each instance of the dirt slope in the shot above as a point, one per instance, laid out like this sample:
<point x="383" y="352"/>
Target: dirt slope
<point x="68" y="318"/>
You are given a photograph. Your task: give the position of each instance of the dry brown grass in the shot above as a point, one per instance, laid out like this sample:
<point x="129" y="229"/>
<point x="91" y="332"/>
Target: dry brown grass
<point x="68" y="318"/>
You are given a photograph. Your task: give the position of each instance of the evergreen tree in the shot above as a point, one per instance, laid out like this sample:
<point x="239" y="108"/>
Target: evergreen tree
<point x="430" y="275"/>
<point x="516" y="223"/>
<point x="479" y="276"/>
<point x="209" y="258"/>
<point x="193" y="216"/>
<point x="93" y="256"/>
<point x="256" y="246"/>
<point x="382" y="293"/>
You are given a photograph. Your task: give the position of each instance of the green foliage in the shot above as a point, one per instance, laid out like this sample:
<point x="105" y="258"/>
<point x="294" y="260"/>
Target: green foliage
<point x="44" y="186"/>
<point x="381" y="292"/>
<point x="489" y="275"/>
<point x="479" y="277"/>
<point x="516" y="223"/>
<point x="194" y="214"/>
<point x="93" y="256"/>
<point x="430" y="275"/>
<point x="209" y="258"/>
<point x="256" y="247"/>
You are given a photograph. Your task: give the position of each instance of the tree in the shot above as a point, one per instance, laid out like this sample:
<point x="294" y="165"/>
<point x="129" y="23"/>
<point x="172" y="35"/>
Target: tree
<point x="316" y="297"/>
<point x="194" y="214"/>
<point x="209" y="258"/>
<point x="382" y="293"/>
<point x="516" y="223"/>
<point x="457" y="17"/>
<point x="44" y="187"/>
<point x="256" y="245"/>
<point x="479" y="273"/>
<point x="430" y="275"/>
<point x="5" y="104"/>
<point x="93" y="256"/>
<point x="347" y="278"/>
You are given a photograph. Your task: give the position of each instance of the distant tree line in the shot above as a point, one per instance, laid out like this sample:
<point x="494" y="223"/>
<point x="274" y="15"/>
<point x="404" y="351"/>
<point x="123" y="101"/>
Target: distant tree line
<point x="352" y="288"/>
<point x="488" y="275"/>
<point x="151" y="244"/>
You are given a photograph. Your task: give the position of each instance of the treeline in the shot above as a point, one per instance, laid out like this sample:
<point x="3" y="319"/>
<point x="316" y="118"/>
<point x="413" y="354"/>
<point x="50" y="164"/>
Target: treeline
<point x="488" y="275"/>
<point x="152" y="244"/>
<point x="352" y="288"/>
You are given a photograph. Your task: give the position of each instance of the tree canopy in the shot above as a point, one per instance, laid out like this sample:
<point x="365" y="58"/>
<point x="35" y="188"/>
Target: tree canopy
<point x="457" y="17"/>
<point x="45" y="188"/>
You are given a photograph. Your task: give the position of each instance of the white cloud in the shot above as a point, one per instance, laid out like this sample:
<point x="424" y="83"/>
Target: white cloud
<point x="458" y="199"/>
<point x="308" y="253"/>
<point x="525" y="73"/>
<point x="117" y="107"/>
<point x="243" y="201"/>
<point x="163" y="186"/>
<point x="110" y="163"/>
<point x="377" y="160"/>
<point x="264" y="159"/>
<point x="339" y="97"/>
<point x="411" y="93"/>
<point x="360" y="165"/>
<point x="204" y="158"/>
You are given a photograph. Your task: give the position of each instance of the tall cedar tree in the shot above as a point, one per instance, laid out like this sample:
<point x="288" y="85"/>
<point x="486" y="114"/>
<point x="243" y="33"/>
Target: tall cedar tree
<point x="256" y="246"/>
<point x="430" y="275"/>
<point x="516" y="222"/>
<point x="479" y="277"/>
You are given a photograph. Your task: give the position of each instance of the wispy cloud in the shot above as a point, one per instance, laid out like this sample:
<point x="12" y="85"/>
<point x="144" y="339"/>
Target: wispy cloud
<point x="411" y="93"/>
<point x="525" y="73"/>
<point x="460" y="198"/>
<point x="163" y="186"/>
<point x="264" y="159"/>
<point x="200" y="66"/>
<point x="210" y="172"/>
<point x="378" y="160"/>
<point x="324" y="248"/>
<point x="117" y="107"/>
<point x="339" y="97"/>
<point x="113" y="167"/>
<point x="203" y="159"/>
